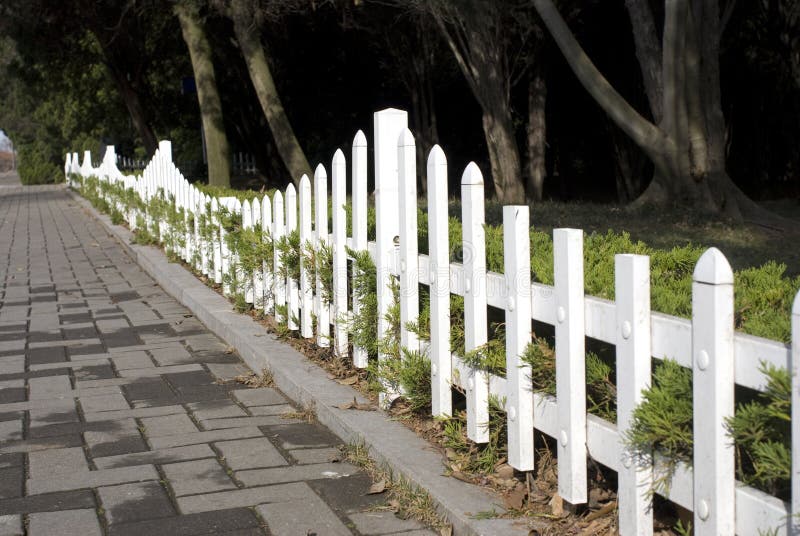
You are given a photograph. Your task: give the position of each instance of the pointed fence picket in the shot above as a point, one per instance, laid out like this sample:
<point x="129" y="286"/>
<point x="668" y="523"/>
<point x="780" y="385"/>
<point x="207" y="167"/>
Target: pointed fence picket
<point x="306" y="292"/>
<point x="439" y="278"/>
<point x="719" y="358"/>
<point x="321" y="239"/>
<point x="247" y="223"/>
<point x="476" y="333"/>
<point x="258" y="271"/>
<point x="338" y="245"/>
<point x="359" y="225"/>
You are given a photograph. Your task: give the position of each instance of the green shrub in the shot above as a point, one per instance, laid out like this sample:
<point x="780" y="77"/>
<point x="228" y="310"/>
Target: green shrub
<point x="37" y="165"/>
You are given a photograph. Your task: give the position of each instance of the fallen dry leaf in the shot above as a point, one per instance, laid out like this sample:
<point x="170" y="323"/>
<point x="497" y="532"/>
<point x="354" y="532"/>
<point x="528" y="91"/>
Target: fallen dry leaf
<point x="377" y="487"/>
<point x="349" y="381"/>
<point x="505" y="471"/>
<point x="394" y="505"/>
<point x="458" y="475"/>
<point x="606" y="509"/>
<point x="446" y="531"/>
<point x="355" y="405"/>
<point x="556" y="505"/>
<point x="230" y="350"/>
<point x="516" y="499"/>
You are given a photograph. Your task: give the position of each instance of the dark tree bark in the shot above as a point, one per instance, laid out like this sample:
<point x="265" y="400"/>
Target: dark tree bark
<point x="136" y="109"/>
<point x="687" y="148"/>
<point x="249" y="38"/>
<point x="536" y="130"/>
<point x="217" y="148"/>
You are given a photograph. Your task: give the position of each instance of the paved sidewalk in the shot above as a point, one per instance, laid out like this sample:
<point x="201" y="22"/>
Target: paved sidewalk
<point x="115" y="413"/>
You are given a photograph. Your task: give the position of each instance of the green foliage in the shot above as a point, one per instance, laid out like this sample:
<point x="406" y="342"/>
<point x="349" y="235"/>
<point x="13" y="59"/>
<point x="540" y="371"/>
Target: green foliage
<point x="364" y="324"/>
<point x="475" y="458"/>
<point x="36" y="164"/>
<point x="409" y="375"/>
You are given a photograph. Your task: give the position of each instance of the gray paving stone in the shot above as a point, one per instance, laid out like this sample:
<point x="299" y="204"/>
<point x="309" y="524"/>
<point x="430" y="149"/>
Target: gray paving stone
<point x="236" y="422"/>
<point x="198" y="476"/>
<point x="103" y="403"/>
<point x="65" y="523"/>
<point x="11" y="525"/>
<point x="133" y="413"/>
<point x="278" y="409"/>
<point x="45" y="463"/>
<point x="215" y="409"/>
<point x="296" y="473"/>
<point x="204" y="437"/>
<point x="232" y="522"/>
<point x="49" y="387"/>
<point x="174" y="355"/>
<point x="302" y="516"/>
<point x="168" y="425"/>
<point x="369" y="523"/>
<point x="240" y="498"/>
<point x="157" y="457"/>
<point x="92" y="479"/>
<point x="12" y="364"/>
<point x="48" y="502"/>
<point x="10" y="430"/>
<point x="135" y="502"/>
<point x="263" y="396"/>
<point x="323" y="455"/>
<point x="132" y="360"/>
<point x="157" y="371"/>
<point x="250" y="453"/>
<point x="227" y="371"/>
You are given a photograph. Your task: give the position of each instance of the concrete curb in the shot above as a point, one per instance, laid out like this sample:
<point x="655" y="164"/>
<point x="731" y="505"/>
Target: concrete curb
<point x="389" y="442"/>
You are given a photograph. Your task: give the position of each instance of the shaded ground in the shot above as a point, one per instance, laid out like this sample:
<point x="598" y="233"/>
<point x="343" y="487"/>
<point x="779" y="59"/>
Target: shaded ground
<point x="116" y="413"/>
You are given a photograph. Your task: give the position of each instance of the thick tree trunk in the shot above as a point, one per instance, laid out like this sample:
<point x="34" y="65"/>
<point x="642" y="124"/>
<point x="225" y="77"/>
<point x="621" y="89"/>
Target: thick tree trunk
<point x="536" y="131"/>
<point x="217" y="149"/>
<point x="648" y="53"/>
<point x="135" y="109"/>
<point x="289" y="148"/>
<point x="503" y="156"/>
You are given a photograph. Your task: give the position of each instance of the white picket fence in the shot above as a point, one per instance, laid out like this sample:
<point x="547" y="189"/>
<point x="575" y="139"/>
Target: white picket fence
<point x="719" y="357"/>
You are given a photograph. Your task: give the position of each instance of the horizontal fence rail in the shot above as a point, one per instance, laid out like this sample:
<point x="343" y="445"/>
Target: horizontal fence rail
<point x="719" y="358"/>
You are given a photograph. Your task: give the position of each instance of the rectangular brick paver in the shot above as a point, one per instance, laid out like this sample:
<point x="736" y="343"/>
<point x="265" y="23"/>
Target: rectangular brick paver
<point x="119" y="414"/>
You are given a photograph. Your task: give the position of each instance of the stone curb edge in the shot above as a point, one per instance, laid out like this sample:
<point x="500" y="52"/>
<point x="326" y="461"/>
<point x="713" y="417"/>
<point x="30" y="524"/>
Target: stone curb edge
<point x="390" y="443"/>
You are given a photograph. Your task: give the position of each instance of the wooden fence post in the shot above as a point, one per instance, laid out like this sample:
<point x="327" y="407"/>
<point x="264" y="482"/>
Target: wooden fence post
<point x="570" y="364"/>
<point x="439" y="263"/>
<point x="713" y="386"/>
<point x="278" y="232"/>
<point x="217" y="258"/>
<point x="519" y="402"/>
<point x="474" y="248"/>
<point x="359" y="223"/>
<point x="794" y="523"/>
<point x="409" y="260"/>
<point x="292" y="297"/>
<point x="321" y="239"/>
<point x="389" y="124"/>
<point x="632" y="291"/>
<point x="306" y="294"/>
<point x="339" y="195"/>
<point x="267" y="267"/>
<point x="247" y="223"/>
<point x="258" y="272"/>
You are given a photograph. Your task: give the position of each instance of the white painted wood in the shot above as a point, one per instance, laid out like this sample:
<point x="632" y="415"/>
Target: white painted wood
<point x="474" y="247"/>
<point x="388" y="124"/>
<point x="258" y="273"/>
<point x="409" y="265"/>
<point x="321" y="238"/>
<point x="339" y="215"/>
<point x="306" y="241"/>
<point x="438" y="277"/>
<point x="795" y="370"/>
<point x="292" y="290"/>
<point x="266" y="225"/>
<point x="246" y="285"/>
<point x="278" y="232"/>
<point x="570" y="364"/>
<point x="632" y="291"/>
<point x="713" y="385"/>
<point x="519" y="402"/>
<point x="359" y="222"/>
<point x="217" y="257"/>
<point x="236" y="267"/>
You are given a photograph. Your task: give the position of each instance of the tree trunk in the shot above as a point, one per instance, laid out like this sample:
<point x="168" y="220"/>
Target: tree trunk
<point x="289" y="148"/>
<point x="648" y="53"/>
<point x="217" y="149"/>
<point x="135" y="109"/>
<point x="687" y="149"/>
<point x="537" y="131"/>
<point x="503" y="156"/>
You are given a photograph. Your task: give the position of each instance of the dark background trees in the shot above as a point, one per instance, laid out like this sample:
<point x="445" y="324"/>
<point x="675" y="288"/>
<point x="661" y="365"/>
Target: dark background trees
<point x="80" y="74"/>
